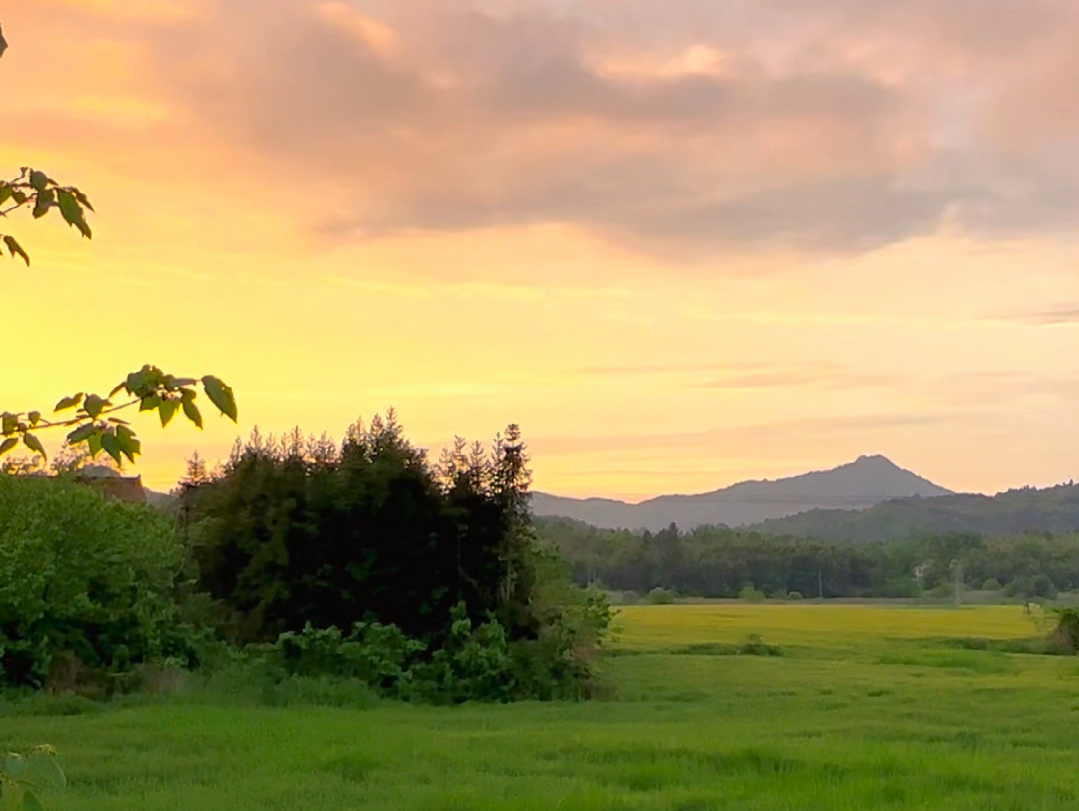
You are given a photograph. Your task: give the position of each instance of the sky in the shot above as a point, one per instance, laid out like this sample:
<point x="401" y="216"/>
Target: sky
<point x="682" y="243"/>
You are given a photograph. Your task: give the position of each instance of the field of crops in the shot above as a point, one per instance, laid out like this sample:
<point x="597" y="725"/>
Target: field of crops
<point x="863" y="708"/>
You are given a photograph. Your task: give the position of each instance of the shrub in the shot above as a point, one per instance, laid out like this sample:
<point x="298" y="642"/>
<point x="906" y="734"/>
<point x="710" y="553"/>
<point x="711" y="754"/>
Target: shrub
<point x="660" y="596"/>
<point x="755" y="646"/>
<point x="1065" y="637"/>
<point x="992" y="584"/>
<point x="1027" y="587"/>
<point x="630" y="598"/>
<point x="900" y="587"/>
<point x="750" y="594"/>
<point x="795" y="595"/>
<point x="85" y="586"/>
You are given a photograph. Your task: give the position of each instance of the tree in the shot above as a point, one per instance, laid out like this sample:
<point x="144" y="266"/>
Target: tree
<point x="93" y="421"/>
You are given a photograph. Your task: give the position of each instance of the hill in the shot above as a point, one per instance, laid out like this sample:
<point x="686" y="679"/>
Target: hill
<point x="858" y="485"/>
<point x="1055" y="509"/>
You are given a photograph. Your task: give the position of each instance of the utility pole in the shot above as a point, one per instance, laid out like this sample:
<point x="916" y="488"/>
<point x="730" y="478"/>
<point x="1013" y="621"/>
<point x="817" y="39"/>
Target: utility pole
<point x="820" y="586"/>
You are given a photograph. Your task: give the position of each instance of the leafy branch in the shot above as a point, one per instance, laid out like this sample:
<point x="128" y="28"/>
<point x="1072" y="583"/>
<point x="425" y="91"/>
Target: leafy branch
<point x="36" y="191"/>
<point x="95" y="424"/>
<point x="23" y="777"/>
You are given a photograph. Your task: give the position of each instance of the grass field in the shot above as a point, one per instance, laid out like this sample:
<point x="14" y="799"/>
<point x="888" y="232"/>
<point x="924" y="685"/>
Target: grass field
<point x="867" y="708"/>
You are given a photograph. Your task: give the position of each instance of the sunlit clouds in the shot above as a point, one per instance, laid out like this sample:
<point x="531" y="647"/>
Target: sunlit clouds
<point x="681" y="243"/>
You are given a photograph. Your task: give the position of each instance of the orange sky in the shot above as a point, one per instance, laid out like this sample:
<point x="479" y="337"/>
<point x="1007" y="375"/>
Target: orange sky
<point x="681" y="243"/>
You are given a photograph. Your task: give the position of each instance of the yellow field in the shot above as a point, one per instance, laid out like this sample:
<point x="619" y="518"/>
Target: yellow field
<point x="656" y="626"/>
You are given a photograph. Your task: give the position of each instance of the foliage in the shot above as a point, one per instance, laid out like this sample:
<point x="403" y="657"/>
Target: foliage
<point x="1066" y="634"/>
<point x="151" y="389"/>
<point x="750" y="594"/>
<point x="24" y="777"/>
<point x="660" y="596"/>
<point x="433" y="571"/>
<point x="719" y="561"/>
<point x="872" y="717"/>
<point x="293" y="532"/>
<point x="86" y="585"/>
<point x="94" y="423"/>
<point x="1015" y="512"/>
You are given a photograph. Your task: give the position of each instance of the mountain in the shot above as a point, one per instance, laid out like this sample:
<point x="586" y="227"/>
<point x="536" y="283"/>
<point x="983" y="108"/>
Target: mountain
<point x="857" y="485"/>
<point x="1053" y="509"/>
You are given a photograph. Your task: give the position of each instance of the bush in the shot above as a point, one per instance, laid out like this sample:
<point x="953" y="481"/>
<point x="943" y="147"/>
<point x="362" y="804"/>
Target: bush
<point x="795" y="595"/>
<point x="660" y="596"/>
<point x="750" y="594"/>
<point x="1028" y="587"/>
<point x="1065" y="637"/>
<point x="992" y="584"/>
<point x="86" y="587"/>
<point x="901" y="587"/>
<point x="630" y="598"/>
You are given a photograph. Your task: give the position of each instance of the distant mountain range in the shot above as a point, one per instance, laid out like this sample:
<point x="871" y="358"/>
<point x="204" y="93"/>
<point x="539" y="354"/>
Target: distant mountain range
<point x="858" y="485"/>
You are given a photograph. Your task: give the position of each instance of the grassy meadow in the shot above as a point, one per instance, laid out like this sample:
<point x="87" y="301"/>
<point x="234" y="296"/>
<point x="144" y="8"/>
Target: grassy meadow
<point x="866" y="707"/>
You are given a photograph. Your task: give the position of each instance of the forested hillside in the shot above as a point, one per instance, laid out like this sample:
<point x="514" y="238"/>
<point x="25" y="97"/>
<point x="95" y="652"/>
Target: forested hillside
<point x="1055" y="509"/>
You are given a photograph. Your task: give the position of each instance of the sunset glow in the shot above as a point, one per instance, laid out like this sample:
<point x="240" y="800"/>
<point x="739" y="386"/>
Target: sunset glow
<point x="744" y="240"/>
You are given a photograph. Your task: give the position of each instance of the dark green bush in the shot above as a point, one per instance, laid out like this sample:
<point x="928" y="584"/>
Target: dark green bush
<point x="86" y="586"/>
<point x="660" y="596"/>
<point x="750" y="594"/>
<point x="473" y="664"/>
<point x="1065" y="636"/>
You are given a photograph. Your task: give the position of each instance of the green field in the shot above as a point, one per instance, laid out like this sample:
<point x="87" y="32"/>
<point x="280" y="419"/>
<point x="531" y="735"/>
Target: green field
<point x="866" y="708"/>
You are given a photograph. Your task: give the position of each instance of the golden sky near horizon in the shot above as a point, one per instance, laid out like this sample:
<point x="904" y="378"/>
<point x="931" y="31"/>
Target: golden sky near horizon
<point x="682" y="243"/>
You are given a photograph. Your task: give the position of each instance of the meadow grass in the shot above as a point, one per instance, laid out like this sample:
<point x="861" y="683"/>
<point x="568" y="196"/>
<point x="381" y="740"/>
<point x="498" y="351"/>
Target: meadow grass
<point x="865" y="709"/>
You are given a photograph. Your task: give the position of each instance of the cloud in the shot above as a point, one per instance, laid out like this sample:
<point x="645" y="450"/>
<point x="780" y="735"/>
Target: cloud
<point x="750" y="375"/>
<point x="681" y="128"/>
<point x="1064" y="315"/>
<point x="753" y="436"/>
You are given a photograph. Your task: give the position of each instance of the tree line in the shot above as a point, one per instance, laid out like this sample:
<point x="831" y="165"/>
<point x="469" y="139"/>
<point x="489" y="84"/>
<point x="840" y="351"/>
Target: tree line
<point x="720" y="562"/>
<point x="302" y="558"/>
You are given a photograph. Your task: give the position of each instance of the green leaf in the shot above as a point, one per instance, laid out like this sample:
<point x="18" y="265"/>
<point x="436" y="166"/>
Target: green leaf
<point x="94" y="405"/>
<point x="69" y="402"/>
<point x="70" y="209"/>
<point x="34" y="417"/>
<point x="16" y="249"/>
<point x="8" y="445"/>
<point x="191" y="411"/>
<point x="167" y="410"/>
<point x="9" y="423"/>
<point x="93" y="443"/>
<point x="39" y="180"/>
<point x="5" y="192"/>
<point x="129" y="445"/>
<point x="82" y="433"/>
<point x="82" y="198"/>
<point x="111" y="445"/>
<point x="72" y="212"/>
<point x="221" y="395"/>
<point x="150" y="403"/>
<point x="45" y="200"/>
<point x="19" y="196"/>
<point x="30" y="802"/>
<point x="45" y="768"/>
<point x="34" y="444"/>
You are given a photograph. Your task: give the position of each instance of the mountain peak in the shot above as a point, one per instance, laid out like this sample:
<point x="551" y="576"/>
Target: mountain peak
<point x="868" y="480"/>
